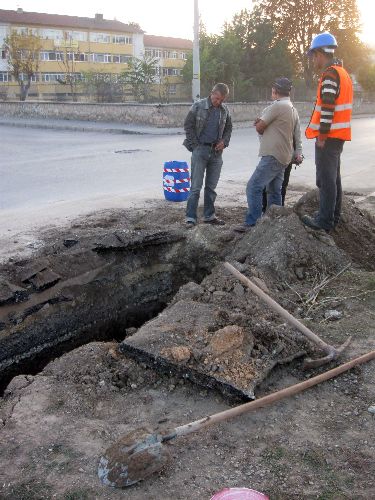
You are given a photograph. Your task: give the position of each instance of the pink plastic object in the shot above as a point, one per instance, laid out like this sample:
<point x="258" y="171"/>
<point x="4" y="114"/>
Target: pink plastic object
<point x="239" y="494"/>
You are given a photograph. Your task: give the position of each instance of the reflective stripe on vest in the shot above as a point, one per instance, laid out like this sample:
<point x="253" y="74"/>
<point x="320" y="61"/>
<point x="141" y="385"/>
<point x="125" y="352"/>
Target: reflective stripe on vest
<point x="340" y="127"/>
<point x="334" y="126"/>
<point x="339" y="107"/>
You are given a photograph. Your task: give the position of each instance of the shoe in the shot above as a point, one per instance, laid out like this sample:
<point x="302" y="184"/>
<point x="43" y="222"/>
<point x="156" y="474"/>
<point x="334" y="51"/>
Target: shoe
<point x="215" y="222"/>
<point x="311" y="223"/>
<point x="242" y="228"/>
<point x="189" y="224"/>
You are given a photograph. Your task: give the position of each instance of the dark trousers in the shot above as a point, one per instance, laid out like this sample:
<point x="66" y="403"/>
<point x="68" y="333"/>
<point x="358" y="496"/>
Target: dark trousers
<point x="283" y="187"/>
<point x="328" y="180"/>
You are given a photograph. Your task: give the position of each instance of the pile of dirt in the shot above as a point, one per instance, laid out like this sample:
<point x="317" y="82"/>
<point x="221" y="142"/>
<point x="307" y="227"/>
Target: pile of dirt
<point x="355" y="233"/>
<point x="218" y="335"/>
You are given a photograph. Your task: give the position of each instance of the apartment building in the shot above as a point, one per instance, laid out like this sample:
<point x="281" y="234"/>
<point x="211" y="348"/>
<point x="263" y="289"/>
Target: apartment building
<point x="79" y="45"/>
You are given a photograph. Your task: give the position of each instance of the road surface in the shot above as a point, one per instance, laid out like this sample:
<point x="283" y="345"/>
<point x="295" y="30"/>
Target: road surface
<point x="50" y="173"/>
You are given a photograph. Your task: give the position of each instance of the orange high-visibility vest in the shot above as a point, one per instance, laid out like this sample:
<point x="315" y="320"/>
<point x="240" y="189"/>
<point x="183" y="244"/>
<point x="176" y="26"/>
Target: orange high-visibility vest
<point x="341" y="126"/>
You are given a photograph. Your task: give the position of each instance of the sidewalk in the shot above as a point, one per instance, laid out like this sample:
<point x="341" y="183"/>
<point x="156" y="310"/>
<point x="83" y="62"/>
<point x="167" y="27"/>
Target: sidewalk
<point x="87" y="126"/>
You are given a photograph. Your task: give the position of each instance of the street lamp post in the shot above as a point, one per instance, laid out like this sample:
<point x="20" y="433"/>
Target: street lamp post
<point x="196" y="84"/>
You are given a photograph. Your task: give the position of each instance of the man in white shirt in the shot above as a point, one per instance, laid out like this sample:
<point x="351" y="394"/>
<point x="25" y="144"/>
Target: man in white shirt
<point x="277" y="126"/>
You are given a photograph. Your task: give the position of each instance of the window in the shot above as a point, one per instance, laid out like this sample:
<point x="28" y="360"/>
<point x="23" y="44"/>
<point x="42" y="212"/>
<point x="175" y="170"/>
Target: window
<point x="183" y="55"/>
<point x="171" y="72"/>
<point x="119" y="58"/>
<point x="3" y="54"/>
<point x="81" y="57"/>
<point x="172" y="89"/>
<point x="52" y="77"/>
<point x="166" y="54"/>
<point x="21" y="30"/>
<point x="51" y="56"/>
<point x="174" y="55"/>
<point x="52" y="34"/>
<point x="23" y="77"/>
<point x="122" y="39"/>
<point x="56" y="77"/>
<point x="101" y="58"/>
<point x="77" y="57"/>
<point x="154" y="53"/>
<point x="100" y="37"/>
<point x="79" y="36"/>
<point x="4" y="77"/>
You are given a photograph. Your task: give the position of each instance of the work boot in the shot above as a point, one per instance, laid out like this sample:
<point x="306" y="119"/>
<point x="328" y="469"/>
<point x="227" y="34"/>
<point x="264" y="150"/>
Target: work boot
<point x="215" y="222"/>
<point x="242" y="228"/>
<point x="311" y="223"/>
<point x="189" y="224"/>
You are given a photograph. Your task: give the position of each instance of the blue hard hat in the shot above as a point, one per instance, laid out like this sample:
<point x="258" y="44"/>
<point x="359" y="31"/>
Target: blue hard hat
<point x="325" y="42"/>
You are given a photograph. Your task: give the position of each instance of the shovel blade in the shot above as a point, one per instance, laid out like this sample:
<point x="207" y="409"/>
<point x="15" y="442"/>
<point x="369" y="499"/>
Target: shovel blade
<point x="134" y="457"/>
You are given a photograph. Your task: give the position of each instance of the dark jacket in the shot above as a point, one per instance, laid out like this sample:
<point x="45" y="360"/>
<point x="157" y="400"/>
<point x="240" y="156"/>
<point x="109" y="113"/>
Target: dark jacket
<point x="197" y="118"/>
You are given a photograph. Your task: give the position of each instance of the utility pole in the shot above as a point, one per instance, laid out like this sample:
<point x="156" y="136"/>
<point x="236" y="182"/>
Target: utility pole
<point x="196" y="84"/>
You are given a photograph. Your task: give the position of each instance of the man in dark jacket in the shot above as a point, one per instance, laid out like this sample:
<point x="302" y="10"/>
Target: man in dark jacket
<point x="208" y="128"/>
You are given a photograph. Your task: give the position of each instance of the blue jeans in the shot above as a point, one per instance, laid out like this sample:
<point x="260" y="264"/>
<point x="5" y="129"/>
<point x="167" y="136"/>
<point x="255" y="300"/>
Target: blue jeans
<point x="270" y="174"/>
<point x="328" y="180"/>
<point x="203" y="160"/>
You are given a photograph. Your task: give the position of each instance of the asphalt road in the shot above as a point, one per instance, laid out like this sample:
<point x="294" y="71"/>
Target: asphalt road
<point x="42" y="168"/>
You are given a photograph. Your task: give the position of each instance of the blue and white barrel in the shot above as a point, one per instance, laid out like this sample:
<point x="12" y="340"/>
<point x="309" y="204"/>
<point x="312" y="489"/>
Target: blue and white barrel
<point x="176" y="180"/>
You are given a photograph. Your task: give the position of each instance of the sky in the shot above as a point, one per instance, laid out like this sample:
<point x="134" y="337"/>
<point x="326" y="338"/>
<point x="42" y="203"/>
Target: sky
<point x="167" y="17"/>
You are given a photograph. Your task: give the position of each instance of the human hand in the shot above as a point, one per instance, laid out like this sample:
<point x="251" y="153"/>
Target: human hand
<point x="298" y="159"/>
<point x="219" y="146"/>
<point x="256" y="121"/>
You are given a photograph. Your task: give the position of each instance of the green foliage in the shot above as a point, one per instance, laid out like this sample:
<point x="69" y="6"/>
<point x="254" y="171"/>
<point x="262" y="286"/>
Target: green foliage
<point x="366" y="78"/>
<point x="102" y="87"/>
<point x="247" y="56"/>
<point x="140" y="75"/>
<point x="296" y="21"/>
<point x="23" y="54"/>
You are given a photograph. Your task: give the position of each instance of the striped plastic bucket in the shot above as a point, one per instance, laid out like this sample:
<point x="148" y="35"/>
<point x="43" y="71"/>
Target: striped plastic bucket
<point x="176" y="180"/>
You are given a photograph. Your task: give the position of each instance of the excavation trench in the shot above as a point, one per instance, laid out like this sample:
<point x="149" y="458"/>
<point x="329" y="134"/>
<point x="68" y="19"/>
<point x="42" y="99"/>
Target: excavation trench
<point x="164" y="294"/>
<point x="96" y="289"/>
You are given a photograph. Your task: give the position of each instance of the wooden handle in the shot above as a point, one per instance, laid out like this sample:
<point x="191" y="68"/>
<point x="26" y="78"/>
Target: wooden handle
<point x="277" y="308"/>
<point x="267" y="400"/>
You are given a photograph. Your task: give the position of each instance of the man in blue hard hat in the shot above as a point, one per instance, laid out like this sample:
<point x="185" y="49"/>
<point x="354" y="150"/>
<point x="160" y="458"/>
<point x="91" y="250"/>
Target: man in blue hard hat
<point x="330" y="126"/>
<point x="277" y="126"/>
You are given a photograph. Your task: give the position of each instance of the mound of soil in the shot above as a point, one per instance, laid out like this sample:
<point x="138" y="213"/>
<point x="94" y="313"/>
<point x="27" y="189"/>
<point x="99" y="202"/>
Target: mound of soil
<point x="355" y="233"/>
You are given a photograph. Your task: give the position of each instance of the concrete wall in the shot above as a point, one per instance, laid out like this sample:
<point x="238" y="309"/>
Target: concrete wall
<point x="159" y="115"/>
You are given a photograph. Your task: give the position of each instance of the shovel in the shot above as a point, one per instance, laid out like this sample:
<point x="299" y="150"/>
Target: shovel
<point x="141" y="453"/>
<point x="330" y="351"/>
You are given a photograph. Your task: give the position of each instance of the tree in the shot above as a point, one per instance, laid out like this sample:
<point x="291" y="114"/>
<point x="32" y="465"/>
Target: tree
<point x="263" y="56"/>
<point x="366" y="78"/>
<point x="103" y="87"/>
<point x="296" y="21"/>
<point x="140" y="75"/>
<point x="220" y="58"/>
<point x="67" y="63"/>
<point x="23" y="53"/>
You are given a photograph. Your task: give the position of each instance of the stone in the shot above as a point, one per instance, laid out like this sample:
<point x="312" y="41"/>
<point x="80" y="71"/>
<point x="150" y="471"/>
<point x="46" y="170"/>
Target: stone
<point x="259" y="282"/>
<point x="70" y="242"/>
<point x="300" y="273"/>
<point x="238" y="290"/>
<point x="332" y="315"/>
<point x="180" y="353"/>
<point x="371" y="409"/>
<point x="226" y="339"/>
<point x="10" y="293"/>
<point x="44" y="279"/>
